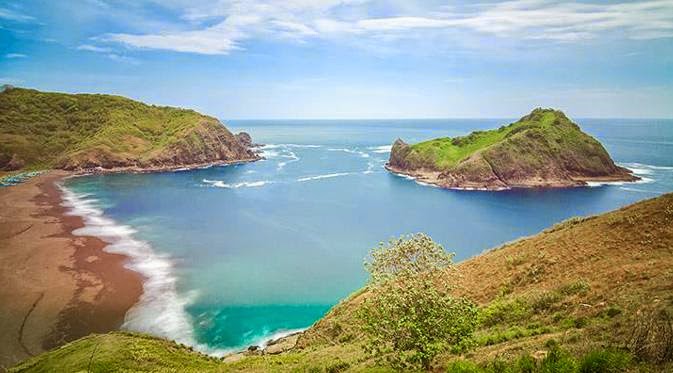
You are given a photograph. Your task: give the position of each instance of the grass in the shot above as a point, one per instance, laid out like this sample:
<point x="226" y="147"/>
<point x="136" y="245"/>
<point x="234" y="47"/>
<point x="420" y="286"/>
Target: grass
<point x="45" y="130"/>
<point x="544" y="145"/>
<point x="601" y="280"/>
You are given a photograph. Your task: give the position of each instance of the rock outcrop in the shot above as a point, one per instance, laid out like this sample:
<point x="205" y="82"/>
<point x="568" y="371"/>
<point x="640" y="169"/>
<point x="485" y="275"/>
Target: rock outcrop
<point x="542" y="149"/>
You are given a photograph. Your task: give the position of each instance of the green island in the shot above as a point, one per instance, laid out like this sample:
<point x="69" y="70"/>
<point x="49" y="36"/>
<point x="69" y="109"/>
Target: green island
<point x="84" y="132"/>
<point x="590" y="294"/>
<point x="542" y="149"/>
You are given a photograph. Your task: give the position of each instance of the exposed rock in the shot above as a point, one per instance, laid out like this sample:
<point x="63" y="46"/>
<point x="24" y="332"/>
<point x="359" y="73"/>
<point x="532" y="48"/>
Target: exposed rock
<point x="542" y="149"/>
<point x="244" y="138"/>
<point x="282" y="344"/>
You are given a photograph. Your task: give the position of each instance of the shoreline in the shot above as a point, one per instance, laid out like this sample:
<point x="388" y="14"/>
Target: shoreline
<point x="158" y="169"/>
<point x="57" y="286"/>
<point x="433" y="179"/>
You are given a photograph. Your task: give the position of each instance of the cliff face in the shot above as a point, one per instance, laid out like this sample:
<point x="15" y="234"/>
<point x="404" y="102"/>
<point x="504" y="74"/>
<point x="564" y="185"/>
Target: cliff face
<point x="542" y="149"/>
<point x="83" y="131"/>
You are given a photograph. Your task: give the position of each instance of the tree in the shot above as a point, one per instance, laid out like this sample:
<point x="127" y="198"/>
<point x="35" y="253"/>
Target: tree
<point x="410" y="315"/>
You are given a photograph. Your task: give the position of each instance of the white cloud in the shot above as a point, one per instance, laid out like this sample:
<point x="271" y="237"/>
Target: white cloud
<point x="12" y="15"/>
<point x="15" y="55"/>
<point x="108" y="52"/>
<point x="224" y="27"/>
<point x="94" y="48"/>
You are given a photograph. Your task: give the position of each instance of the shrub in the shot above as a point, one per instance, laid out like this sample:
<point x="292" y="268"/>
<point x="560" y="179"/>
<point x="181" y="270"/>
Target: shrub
<point x="605" y="361"/>
<point x="652" y="337"/>
<point x="544" y="301"/>
<point x="577" y="287"/>
<point x="558" y="361"/>
<point x="502" y="310"/>
<point x="463" y="366"/>
<point x="410" y="315"/>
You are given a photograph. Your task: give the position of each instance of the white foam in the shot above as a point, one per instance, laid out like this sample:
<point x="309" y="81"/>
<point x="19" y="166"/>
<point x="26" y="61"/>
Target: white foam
<point x="244" y="184"/>
<point x="326" y="176"/>
<point x="351" y="151"/>
<point x="264" y="341"/>
<point x="292" y="156"/>
<point x="640" y="190"/>
<point x="381" y="149"/>
<point x="160" y="310"/>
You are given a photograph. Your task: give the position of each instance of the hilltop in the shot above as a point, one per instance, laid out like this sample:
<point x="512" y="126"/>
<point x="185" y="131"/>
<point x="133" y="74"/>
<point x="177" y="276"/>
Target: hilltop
<point x="584" y="284"/>
<point x="542" y="149"/>
<point x="105" y="132"/>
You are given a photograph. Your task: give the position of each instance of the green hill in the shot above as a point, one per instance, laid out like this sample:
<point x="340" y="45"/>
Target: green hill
<point x="83" y="131"/>
<point x="590" y="294"/>
<point x="544" y="148"/>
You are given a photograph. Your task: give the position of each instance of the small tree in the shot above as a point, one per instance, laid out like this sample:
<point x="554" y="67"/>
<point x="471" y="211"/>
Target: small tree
<point x="410" y="315"/>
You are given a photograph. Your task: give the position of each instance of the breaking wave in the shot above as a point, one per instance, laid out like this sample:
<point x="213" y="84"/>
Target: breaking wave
<point x="243" y="184"/>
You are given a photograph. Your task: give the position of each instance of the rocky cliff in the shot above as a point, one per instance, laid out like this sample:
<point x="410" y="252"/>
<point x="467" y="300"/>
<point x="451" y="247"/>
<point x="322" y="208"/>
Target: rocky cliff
<point x="104" y="132"/>
<point x="542" y="149"/>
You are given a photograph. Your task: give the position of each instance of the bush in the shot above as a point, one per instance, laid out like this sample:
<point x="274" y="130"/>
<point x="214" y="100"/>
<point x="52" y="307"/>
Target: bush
<point x="652" y="337"/>
<point x="502" y="310"/>
<point x="410" y="315"/>
<point x="558" y="361"/>
<point x="605" y="361"/>
<point x="463" y="366"/>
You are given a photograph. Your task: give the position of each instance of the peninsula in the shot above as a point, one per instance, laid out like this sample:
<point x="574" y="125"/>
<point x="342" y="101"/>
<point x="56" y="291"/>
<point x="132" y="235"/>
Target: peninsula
<point x="542" y="149"/>
<point x="106" y="133"/>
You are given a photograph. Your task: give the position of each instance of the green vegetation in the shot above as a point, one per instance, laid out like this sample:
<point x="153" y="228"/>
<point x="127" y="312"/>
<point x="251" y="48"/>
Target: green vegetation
<point x="445" y="153"/>
<point x="542" y="148"/>
<point x="410" y="315"/>
<point x="45" y="130"/>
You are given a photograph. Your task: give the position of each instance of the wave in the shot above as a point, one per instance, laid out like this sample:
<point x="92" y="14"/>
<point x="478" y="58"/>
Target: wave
<point x="645" y="167"/>
<point x="292" y="156"/>
<point x="244" y="184"/>
<point x="263" y="341"/>
<point x="160" y="310"/>
<point x="351" y="151"/>
<point x="381" y="149"/>
<point x="640" y="190"/>
<point x="326" y="176"/>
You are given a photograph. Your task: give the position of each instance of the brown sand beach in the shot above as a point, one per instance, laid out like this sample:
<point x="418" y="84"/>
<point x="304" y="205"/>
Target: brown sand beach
<point x="56" y="286"/>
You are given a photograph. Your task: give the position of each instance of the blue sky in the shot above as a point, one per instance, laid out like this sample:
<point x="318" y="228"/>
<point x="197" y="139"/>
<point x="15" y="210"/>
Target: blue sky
<point x="350" y="58"/>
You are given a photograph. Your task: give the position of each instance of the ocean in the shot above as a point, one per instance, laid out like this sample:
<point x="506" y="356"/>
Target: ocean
<point x="236" y="255"/>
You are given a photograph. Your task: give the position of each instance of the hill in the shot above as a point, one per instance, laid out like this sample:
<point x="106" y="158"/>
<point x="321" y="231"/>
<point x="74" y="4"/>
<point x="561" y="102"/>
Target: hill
<point x="542" y="149"/>
<point x="87" y="131"/>
<point x="587" y="284"/>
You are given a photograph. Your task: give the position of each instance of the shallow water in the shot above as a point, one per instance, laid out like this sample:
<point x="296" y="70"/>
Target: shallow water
<point x="237" y="254"/>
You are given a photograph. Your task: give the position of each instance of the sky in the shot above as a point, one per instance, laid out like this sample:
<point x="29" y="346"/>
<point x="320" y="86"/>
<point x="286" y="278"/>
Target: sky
<point x="285" y="59"/>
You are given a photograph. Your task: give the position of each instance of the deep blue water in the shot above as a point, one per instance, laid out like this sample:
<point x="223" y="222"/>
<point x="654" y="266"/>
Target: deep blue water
<point x="267" y="247"/>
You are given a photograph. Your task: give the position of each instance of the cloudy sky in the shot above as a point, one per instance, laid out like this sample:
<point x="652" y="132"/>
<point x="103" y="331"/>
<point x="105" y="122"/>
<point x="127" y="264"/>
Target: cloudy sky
<point x="350" y="58"/>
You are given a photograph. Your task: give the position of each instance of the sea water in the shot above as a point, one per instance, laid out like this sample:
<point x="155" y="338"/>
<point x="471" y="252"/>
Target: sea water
<point x="236" y="255"/>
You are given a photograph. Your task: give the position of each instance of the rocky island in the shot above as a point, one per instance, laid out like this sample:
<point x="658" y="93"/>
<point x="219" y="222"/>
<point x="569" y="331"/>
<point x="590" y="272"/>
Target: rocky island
<point x="542" y="149"/>
<point x="104" y="133"/>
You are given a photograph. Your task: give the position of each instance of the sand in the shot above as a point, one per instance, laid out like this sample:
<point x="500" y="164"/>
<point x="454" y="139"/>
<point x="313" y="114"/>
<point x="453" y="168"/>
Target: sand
<point x="54" y="286"/>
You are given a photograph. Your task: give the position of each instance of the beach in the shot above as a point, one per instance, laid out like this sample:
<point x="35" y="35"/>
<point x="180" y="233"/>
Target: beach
<point x="56" y="286"/>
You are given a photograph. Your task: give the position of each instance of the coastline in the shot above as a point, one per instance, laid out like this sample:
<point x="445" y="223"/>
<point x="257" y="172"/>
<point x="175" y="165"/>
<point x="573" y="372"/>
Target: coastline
<point x="433" y="179"/>
<point x="57" y="286"/>
<point x="146" y="170"/>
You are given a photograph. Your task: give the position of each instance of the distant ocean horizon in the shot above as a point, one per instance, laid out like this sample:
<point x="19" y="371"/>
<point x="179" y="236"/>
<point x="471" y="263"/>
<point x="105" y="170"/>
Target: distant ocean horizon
<point x="238" y="254"/>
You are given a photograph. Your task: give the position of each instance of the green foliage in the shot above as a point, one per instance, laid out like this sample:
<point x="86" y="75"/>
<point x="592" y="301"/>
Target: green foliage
<point x="410" y="315"/>
<point x="43" y="129"/>
<point x="503" y="310"/>
<point x="558" y="361"/>
<point x="406" y="256"/>
<point x="577" y="287"/>
<point x="463" y="366"/>
<point x="605" y="361"/>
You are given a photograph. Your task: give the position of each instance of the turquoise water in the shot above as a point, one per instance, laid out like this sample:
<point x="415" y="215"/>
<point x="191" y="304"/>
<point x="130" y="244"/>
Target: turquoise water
<point x="236" y="254"/>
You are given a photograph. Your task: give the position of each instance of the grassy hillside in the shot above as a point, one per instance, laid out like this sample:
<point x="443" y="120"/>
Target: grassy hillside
<point x="544" y="147"/>
<point x="596" y="290"/>
<point x="44" y="130"/>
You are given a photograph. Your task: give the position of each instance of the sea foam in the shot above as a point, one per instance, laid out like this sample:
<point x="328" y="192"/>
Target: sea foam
<point x="326" y="176"/>
<point x="160" y="310"/>
<point x="244" y="184"/>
